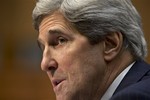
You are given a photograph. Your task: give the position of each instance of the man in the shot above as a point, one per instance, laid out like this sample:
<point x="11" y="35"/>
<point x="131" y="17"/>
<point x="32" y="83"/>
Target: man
<point x="93" y="49"/>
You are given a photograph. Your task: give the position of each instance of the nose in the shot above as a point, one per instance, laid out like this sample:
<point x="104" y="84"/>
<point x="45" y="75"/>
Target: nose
<point x="48" y="63"/>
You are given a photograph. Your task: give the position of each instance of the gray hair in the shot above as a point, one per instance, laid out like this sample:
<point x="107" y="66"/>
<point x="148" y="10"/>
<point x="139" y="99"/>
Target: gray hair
<point x="97" y="18"/>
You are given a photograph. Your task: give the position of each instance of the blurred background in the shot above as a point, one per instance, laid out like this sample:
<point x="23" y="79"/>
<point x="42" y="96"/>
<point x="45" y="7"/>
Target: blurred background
<point x="20" y="74"/>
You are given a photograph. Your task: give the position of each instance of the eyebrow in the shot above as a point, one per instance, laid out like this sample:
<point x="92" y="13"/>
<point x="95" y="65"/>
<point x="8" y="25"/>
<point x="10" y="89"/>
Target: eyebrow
<point x="55" y="32"/>
<point x="60" y="32"/>
<point x="50" y="32"/>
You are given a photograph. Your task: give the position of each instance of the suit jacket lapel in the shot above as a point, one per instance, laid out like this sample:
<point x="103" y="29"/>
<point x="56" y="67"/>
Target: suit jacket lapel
<point x="135" y="74"/>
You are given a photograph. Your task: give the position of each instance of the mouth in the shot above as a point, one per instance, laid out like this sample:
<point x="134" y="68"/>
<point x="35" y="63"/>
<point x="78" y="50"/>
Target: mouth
<point x="57" y="84"/>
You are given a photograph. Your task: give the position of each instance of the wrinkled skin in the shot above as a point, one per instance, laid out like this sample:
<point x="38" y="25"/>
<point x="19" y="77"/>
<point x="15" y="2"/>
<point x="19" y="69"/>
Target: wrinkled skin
<point x="75" y="67"/>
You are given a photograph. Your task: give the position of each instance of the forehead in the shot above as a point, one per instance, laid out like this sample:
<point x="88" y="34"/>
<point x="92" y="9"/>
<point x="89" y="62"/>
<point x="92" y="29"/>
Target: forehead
<point x="55" y="20"/>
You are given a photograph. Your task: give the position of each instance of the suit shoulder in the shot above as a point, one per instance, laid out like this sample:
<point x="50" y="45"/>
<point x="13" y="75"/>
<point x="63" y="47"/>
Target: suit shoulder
<point x="137" y="91"/>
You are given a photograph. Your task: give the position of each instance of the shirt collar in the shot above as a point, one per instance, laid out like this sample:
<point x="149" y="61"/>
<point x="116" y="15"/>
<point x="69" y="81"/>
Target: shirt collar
<point x="108" y="94"/>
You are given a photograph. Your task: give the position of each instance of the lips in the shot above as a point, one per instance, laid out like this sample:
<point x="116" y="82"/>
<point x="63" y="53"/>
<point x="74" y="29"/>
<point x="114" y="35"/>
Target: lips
<point x="57" y="82"/>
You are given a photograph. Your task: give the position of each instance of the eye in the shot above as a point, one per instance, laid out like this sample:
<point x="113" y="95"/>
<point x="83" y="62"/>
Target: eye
<point x="40" y="45"/>
<point x="61" y="40"/>
<point x="57" y="41"/>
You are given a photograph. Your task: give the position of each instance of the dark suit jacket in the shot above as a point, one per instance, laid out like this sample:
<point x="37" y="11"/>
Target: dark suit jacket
<point x="136" y="83"/>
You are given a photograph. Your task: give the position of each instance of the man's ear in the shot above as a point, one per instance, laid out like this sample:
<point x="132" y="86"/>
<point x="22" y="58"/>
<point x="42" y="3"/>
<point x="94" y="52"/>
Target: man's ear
<point x="112" y="45"/>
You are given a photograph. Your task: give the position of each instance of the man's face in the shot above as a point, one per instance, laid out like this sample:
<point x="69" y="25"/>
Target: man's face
<point x="75" y="67"/>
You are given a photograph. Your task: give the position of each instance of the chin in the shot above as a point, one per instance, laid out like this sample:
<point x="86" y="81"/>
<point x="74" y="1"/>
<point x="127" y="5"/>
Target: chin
<point x="62" y="97"/>
<point x="66" y="96"/>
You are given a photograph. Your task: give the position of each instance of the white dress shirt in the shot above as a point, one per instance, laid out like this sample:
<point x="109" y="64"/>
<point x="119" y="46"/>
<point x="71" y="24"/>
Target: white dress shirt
<point x="108" y="94"/>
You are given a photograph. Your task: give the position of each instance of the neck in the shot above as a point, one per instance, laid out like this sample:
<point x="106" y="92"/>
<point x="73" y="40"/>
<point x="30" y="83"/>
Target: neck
<point x="114" y="68"/>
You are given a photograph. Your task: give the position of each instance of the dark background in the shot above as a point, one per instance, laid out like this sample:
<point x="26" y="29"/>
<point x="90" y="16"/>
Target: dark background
<point x="20" y="74"/>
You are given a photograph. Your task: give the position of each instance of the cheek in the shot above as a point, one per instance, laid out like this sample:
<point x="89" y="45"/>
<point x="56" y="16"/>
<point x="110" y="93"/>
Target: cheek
<point x="70" y="63"/>
<point x="66" y="62"/>
<point x="90" y="66"/>
<point x="81" y="65"/>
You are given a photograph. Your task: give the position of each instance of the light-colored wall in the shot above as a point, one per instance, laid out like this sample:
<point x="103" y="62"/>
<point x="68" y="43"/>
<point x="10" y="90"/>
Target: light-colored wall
<point x="20" y="74"/>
